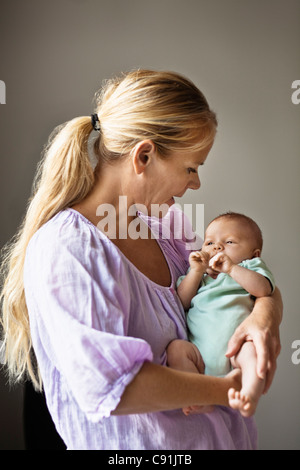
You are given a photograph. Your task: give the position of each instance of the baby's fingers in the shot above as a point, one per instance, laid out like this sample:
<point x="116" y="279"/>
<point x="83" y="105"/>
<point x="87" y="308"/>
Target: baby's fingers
<point x="195" y="254"/>
<point x="216" y="261"/>
<point x="198" y="257"/>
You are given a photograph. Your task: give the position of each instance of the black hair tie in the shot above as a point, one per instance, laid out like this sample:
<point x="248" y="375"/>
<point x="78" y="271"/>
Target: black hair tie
<point x="95" y="122"/>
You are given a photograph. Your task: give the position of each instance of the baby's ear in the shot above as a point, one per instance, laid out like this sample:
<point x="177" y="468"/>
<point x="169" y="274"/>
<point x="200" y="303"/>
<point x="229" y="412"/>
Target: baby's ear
<point x="256" y="253"/>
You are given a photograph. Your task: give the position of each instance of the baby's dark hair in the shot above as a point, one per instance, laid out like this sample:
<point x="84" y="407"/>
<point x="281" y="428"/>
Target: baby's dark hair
<point x="250" y="222"/>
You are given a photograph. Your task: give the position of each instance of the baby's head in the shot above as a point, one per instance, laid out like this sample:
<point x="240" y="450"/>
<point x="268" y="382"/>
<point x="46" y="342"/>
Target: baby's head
<point x="234" y="234"/>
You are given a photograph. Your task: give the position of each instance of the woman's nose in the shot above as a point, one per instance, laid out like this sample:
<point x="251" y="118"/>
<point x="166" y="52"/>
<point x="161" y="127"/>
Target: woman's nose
<point x="195" y="183"/>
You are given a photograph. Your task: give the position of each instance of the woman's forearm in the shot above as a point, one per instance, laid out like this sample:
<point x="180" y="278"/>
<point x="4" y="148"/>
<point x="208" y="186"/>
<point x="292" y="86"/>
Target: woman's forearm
<point x="159" y="388"/>
<point x="265" y="318"/>
<point x="270" y="308"/>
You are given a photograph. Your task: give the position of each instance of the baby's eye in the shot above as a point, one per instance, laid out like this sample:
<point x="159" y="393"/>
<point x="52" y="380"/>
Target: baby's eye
<point x="209" y="243"/>
<point x="229" y="241"/>
<point x="191" y="170"/>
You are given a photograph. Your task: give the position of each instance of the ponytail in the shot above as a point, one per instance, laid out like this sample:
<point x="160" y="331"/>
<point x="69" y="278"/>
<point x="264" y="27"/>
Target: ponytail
<point x="162" y="106"/>
<point x="64" y="177"/>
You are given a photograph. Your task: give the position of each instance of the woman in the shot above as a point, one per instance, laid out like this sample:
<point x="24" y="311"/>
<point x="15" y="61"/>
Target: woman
<point x="99" y="309"/>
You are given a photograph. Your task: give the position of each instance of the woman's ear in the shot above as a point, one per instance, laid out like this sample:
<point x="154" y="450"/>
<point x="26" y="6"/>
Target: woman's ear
<point x="142" y="154"/>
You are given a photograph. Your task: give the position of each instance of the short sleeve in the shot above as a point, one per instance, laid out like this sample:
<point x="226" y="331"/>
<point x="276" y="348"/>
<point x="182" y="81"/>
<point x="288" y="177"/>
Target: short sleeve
<point x="78" y="304"/>
<point x="259" y="266"/>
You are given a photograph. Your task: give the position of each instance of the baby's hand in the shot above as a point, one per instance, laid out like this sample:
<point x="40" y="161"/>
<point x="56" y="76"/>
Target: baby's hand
<point x="199" y="260"/>
<point x="221" y="263"/>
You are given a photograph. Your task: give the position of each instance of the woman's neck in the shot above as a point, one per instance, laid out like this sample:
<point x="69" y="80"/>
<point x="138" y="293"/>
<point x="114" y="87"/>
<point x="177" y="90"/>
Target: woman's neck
<point x="108" y="203"/>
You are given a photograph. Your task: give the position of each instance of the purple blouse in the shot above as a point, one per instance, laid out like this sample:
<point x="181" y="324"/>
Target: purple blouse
<point x="95" y="319"/>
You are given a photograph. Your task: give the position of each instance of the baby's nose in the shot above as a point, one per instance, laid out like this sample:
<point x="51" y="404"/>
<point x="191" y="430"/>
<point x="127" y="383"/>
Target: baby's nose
<point x="218" y="247"/>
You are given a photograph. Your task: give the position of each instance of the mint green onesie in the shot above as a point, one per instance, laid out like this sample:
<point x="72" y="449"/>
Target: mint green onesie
<point x="219" y="306"/>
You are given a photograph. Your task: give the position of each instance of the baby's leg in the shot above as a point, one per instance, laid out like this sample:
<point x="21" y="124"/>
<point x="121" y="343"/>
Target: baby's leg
<point x="252" y="386"/>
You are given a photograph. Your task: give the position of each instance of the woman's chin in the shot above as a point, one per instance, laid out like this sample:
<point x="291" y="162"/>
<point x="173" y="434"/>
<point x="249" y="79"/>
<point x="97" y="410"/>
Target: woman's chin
<point x="170" y="202"/>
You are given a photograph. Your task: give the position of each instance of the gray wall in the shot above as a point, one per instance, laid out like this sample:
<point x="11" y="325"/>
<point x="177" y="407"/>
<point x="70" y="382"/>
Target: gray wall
<point x="243" y="54"/>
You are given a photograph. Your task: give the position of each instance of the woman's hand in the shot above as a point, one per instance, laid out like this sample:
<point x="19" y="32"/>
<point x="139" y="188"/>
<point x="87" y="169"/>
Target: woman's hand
<point x="261" y="327"/>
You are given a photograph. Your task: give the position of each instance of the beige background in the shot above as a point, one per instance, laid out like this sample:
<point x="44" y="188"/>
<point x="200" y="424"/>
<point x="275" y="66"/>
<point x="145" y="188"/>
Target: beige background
<point x="244" y="55"/>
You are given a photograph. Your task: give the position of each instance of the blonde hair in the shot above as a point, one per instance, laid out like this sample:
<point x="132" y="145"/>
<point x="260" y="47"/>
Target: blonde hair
<point x="162" y="106"/>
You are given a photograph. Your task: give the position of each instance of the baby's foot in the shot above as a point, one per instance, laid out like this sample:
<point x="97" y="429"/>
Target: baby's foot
<point x="243" y="403"/>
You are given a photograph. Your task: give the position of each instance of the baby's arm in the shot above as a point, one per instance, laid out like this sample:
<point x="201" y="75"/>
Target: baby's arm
<point x="254" y="283"/>
<point x="188" y="287"/>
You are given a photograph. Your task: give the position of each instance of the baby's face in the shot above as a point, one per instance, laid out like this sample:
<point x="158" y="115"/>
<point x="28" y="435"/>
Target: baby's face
<point x="231" y="237"/>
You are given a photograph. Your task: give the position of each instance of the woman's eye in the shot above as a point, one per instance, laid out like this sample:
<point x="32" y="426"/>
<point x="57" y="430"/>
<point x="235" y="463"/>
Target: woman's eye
<point x="191" y="170"/>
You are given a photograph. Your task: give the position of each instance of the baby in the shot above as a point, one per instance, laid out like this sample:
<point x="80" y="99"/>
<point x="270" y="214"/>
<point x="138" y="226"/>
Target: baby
<point x="218" y="292"/>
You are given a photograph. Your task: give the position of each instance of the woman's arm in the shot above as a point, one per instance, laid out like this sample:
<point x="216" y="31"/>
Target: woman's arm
<point x="160" y="388"/>
<point x="261" y="327"/>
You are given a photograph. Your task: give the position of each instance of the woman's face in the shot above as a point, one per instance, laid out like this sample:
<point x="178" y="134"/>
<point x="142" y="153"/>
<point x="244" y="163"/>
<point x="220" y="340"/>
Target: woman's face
<point x="170" y="177"/>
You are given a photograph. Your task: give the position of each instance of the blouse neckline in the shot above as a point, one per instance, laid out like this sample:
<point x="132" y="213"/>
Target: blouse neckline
<point x="107" y="239"/>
